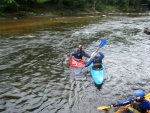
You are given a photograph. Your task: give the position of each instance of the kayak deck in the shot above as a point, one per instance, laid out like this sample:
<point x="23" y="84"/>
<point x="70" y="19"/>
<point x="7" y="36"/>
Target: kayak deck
<point x="76" y="64"/>
<point x="97" y="74"/>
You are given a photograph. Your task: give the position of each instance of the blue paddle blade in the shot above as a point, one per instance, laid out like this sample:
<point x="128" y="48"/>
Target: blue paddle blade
<point x="79" y="71"/>
<point x="103" y="42"/>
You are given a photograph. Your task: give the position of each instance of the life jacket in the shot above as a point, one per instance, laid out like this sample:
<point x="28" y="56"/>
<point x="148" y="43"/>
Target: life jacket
<point x="97" y="62"/>
<point x="78" y="55"/>
<point x="135" y="107"/>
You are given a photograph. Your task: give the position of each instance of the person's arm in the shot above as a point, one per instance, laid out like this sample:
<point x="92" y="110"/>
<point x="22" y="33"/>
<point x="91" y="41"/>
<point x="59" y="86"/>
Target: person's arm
<point x="70" y="54"/>
<point x="101" y="55"/>
<point x="89" y="62"/>
<point x="146" y="105"/>
<point x="123" y="102"/>
<point x="73" y="53"/>
<point x="85" y="54"/>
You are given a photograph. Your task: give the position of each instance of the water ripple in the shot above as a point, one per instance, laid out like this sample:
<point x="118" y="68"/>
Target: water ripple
<point x="35" y="77"/>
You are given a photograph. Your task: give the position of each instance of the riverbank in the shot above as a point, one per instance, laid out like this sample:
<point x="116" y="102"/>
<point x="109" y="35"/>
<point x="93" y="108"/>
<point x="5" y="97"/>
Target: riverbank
<point x="28" y="24"/>
<point x="16" y="25"/>
<point x="12" y="23"/>
<point x="82" y="13"/>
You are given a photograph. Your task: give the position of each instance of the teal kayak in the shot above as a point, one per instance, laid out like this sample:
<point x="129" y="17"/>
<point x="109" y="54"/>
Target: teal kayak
<point x="97" y="74"/>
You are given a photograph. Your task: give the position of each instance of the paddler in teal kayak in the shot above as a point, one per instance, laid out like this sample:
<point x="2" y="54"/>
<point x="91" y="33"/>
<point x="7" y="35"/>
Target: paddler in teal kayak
<point x="97" y="61"/>
<point x="138" y="104"/>
<point x="79" y="53"/>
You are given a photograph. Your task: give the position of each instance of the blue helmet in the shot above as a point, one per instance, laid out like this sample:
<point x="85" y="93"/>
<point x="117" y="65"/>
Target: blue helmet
<point x="139" y="93"/>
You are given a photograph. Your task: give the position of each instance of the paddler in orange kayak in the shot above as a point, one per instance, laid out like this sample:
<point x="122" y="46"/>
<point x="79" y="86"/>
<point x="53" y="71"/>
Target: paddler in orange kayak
<point x="79" y="53"/>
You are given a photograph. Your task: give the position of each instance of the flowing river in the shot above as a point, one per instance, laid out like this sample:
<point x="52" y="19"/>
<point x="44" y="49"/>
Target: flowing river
<point x="36" y="78"/>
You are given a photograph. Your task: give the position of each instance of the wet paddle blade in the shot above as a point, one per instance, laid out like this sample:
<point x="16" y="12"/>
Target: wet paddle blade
<point x="79" y="72"/>
<point x="103" y="42"/>
<point x="103" y="107"/>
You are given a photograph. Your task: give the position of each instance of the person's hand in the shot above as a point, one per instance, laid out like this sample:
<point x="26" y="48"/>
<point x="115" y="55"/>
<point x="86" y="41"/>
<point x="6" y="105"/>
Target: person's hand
<point x="65" y="56"/>
<point x="83" y="66"/>
<point x="112" y="106"/>
<point x="68" y="55"/>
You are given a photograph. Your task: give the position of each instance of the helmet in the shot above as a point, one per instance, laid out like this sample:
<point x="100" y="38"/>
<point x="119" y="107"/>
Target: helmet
<point x="80" y="46"/>
<point x="139" y="93"/>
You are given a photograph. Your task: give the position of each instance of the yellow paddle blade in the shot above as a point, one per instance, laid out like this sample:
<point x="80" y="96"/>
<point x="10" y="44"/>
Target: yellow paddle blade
<point x="103" y="107"/>
<point x="147" y="96"/>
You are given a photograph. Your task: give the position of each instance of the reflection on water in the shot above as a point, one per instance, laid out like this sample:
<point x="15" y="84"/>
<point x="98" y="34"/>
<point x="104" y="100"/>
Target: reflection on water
<point x="35" y="77"/>
<point x="17" y="26"/>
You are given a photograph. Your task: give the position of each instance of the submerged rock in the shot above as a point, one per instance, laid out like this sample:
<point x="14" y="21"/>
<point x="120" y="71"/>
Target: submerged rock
<point x="103" y="15"/>
<point x="147" y="31"/>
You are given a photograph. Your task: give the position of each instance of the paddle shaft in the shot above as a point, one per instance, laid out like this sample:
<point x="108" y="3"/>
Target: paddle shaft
<point x="93" y="54"/>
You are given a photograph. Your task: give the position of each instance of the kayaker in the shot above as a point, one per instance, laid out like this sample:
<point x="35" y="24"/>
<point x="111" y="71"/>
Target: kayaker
<point x="97" y="61"/>
<point x="138" y="104"/>
<point x="79" y="53"/>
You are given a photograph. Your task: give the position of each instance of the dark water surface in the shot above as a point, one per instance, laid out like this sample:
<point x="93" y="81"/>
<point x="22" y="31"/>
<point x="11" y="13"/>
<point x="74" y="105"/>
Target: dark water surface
<point x="35" y="78"/>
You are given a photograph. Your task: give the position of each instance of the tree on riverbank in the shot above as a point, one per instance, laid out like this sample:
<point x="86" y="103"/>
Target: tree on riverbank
<point x="26" y="6"/>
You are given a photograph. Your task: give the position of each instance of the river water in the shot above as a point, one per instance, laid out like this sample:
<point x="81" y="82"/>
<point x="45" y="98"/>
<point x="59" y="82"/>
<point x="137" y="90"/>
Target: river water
<point x="36" y="78"/>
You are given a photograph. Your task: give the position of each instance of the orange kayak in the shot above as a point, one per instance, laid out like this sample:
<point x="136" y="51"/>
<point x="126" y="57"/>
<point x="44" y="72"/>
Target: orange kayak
<point x="75" y="63"/>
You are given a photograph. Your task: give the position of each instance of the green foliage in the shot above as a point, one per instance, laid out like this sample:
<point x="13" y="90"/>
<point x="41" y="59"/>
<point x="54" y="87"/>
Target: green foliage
<point x="148" y="2"/>
<point x="80" y="3"/>
<point x="41" y="1"/>
<point x="11" y="2"/>
<point x="75" y="3"/>
<point x="124" y="4"/>
<point x="110" y="8"/>
<point x="23" y="13"/>
<point x="99" y="5"/>
<point x="112" y="2"/>
<point x="1" y="9"/>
